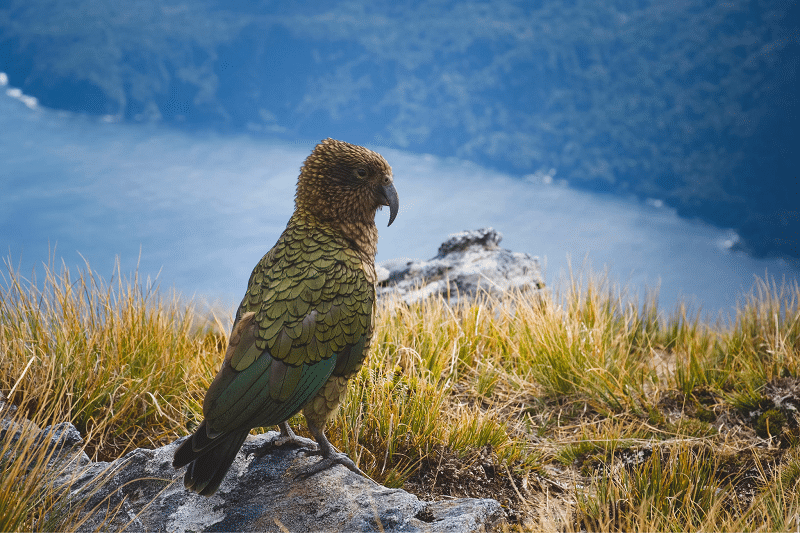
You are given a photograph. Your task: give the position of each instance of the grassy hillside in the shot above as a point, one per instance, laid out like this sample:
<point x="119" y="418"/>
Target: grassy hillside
<point x="579" y="409"/>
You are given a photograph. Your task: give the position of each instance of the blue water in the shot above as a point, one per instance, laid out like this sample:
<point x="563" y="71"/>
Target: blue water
<point x="197" y="211"/>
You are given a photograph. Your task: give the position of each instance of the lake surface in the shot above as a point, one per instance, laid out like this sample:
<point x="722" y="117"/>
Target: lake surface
<point x="197" y="211"/>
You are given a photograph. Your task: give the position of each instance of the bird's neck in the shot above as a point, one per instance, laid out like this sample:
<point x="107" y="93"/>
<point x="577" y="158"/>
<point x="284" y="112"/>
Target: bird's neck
<point x="362" y="236"/>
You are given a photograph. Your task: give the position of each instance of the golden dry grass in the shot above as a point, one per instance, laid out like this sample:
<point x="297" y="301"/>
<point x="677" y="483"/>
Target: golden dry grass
<point x="578" y="409"/>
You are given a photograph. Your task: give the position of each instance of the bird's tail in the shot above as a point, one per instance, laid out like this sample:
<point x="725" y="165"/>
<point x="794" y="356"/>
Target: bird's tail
<point x="208" y="459"/>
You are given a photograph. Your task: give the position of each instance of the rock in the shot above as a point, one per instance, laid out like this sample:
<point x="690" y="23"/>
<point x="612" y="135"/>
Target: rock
<point x="467" y="263"/>
<point x="487" y="238"/>
<point x="142" y="492"/>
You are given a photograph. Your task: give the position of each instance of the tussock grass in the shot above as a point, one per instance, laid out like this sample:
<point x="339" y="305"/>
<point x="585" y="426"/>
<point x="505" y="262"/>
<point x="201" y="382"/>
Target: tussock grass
<point x="21" y="469"/>
<point x="29" y="470"/>
<point x="677" y="489"/>
<point x="131" y="363"/>
<point x="579" y="408"/>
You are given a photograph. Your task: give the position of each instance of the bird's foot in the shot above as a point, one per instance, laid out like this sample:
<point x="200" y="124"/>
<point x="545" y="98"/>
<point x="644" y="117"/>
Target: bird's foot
<point x="328" y="460"/>
<point x="289" y="437"/>
<point x="330" y="455"/>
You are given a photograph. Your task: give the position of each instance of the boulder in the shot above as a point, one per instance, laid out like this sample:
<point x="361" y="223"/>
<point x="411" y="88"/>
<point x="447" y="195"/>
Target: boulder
<point x="467" y="263"/>
<point x="142" y="492"/>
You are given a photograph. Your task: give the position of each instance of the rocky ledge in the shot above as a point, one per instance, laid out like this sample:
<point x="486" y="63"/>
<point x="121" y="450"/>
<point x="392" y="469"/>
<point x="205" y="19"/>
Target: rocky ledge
<point x="142" y="492"/>
<point x="467" y="263"/>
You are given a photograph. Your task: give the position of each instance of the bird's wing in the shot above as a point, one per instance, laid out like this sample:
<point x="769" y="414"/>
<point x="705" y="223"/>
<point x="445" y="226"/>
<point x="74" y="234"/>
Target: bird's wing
<point x="307" y="312"/>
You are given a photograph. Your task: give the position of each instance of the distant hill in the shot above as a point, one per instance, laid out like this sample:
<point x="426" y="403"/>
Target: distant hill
<point x="693" y="103"/>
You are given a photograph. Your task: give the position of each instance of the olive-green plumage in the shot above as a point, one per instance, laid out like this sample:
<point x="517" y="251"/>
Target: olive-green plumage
<point x="305" y="323"/>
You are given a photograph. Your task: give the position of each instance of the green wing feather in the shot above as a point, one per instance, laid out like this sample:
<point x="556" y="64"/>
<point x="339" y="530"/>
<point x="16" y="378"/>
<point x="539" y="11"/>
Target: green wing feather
<point x="306" y="314"/>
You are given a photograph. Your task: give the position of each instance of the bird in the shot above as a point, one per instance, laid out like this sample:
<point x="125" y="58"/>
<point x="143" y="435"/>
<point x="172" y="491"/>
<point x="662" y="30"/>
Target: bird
<point x="305" y="323"/>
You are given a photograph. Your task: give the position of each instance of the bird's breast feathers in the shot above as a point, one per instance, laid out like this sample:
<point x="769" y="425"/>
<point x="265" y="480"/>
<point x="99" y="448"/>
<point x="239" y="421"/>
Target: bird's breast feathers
<point x="311" y="299"/>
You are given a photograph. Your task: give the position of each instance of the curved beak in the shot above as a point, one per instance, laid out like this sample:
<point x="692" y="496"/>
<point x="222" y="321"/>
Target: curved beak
<point x="388" y="196"/>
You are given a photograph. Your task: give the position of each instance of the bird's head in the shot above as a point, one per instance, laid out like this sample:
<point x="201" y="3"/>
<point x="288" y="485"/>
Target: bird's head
<point x="346" y="183"/>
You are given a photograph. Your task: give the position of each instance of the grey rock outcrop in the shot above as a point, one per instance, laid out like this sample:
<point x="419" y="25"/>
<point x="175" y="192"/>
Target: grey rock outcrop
<point x="467" y="263"/>
<point x="142" y="492"/>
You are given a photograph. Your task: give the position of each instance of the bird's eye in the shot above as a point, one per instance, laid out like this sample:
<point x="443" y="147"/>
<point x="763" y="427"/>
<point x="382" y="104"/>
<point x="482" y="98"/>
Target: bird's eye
<point x="362" y="172"/>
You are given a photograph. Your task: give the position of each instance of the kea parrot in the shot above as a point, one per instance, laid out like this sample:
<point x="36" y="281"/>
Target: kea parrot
<point x="305" y="323"/>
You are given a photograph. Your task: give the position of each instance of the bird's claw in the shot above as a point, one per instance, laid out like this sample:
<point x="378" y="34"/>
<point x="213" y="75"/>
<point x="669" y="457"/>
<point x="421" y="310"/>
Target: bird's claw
<point x="301" y="442"/>
<point x="330" y="455"/>
<point x="327" y="462"/>
<point x="308" y="452"/>
<point x="288" y="436"/>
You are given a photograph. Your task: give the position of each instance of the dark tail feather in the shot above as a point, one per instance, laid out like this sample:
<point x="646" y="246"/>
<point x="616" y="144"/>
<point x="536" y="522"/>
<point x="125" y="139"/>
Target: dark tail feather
<point x="208" y="459"/>
<point x="194" y="447"/>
